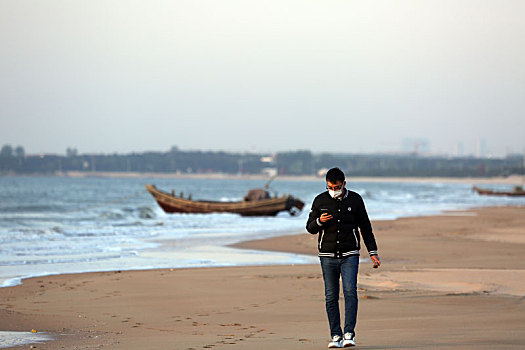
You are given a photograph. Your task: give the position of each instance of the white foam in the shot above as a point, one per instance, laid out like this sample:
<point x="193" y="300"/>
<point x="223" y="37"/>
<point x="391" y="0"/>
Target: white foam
<point x="11" y="282"/>
<point x="175" y="257"/>
<point x="10" y="339"/>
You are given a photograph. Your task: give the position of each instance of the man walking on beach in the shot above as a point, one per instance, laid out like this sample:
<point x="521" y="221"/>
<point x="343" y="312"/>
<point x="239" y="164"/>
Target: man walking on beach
<point x="338" y="215"/>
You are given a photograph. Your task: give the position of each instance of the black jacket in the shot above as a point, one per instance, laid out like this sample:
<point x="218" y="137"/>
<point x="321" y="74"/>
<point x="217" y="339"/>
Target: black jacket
<point x="339" y="237"/>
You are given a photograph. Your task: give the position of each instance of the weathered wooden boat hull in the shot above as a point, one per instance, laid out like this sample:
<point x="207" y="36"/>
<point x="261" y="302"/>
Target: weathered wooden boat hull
<point x="486" y="192"/>
<point x="264" y="207"/>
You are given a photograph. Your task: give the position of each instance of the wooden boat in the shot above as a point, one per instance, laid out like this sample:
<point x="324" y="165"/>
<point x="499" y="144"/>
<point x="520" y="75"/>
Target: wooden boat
<point x="517" y="191"/>
<point x="256" y="203"/>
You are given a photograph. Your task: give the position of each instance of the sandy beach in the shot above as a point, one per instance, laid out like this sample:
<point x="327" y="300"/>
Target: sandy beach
<point x="451" y="281"/>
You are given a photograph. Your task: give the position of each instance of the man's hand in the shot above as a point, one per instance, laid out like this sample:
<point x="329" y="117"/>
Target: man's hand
<point x="325" y="217"/>
<point x="376" y="261"/>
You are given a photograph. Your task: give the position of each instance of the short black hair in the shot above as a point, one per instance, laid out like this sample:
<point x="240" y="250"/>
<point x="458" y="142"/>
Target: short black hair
<point x="335" y="175"/>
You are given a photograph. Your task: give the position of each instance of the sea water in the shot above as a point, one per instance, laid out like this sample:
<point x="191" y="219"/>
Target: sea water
<point x="57" y="225"/>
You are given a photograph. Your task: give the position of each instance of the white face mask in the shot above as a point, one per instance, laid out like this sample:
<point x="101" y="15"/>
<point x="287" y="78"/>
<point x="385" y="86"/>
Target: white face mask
<point x="335" y="194"/>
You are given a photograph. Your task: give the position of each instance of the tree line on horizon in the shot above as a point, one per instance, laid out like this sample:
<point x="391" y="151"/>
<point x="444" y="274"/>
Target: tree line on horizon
<point x="302" y="162"/>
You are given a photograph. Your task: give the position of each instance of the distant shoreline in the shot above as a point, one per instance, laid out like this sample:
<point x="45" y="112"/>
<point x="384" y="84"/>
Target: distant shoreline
<point x="510" y="180"/>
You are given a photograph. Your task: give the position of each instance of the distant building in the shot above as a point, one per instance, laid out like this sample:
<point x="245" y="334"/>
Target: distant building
<point x="267" y="159"/>
<point x="481" y="148"/>
<point x="322" y="172"/>
<point x="415" y="146"/>
<point x="460" y="150"/>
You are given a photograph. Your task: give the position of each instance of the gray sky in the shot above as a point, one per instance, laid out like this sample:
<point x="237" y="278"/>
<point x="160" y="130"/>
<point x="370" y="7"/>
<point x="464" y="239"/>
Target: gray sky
<point x="338" y="76"/>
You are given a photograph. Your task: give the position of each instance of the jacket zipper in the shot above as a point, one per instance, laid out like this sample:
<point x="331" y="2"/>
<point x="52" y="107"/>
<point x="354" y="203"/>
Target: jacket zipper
<point x="321" y="241"/>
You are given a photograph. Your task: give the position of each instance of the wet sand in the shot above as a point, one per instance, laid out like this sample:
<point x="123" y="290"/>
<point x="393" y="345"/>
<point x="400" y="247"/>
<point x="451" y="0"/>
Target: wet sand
<point x="453" y="281"/>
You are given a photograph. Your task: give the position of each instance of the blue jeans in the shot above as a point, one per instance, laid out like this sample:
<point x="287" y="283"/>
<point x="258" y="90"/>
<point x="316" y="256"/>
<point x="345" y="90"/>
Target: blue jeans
<point x="333" y="269"/>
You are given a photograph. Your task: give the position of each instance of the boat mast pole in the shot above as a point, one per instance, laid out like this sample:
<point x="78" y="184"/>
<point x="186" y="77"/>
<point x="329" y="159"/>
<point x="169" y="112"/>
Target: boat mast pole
<point x="269" y="181"/>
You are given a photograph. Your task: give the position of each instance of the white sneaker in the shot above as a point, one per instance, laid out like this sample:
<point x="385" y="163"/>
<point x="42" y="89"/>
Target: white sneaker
<point x="337" y="342"/>
<point x="348" y="340"/>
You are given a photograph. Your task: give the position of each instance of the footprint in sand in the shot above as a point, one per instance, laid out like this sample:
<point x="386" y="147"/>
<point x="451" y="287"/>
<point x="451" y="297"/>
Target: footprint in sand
<point x="222" y="312"/>
<point x="226" y="336"/>
<point x="230" y="324"/>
